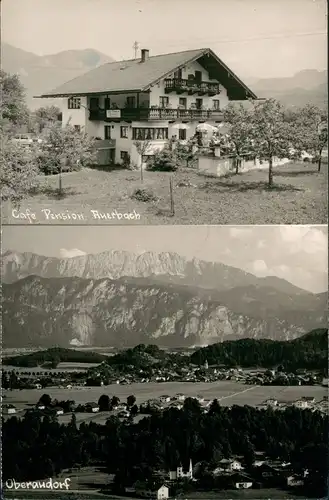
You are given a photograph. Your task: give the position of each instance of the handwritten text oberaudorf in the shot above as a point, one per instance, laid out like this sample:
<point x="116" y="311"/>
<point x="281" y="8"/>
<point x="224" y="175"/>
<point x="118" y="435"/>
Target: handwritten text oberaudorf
<point x="50" y="215"/>
<point x="49" y="484"/>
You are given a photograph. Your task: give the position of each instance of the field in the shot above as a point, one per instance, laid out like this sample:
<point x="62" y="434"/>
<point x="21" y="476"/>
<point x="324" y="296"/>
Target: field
<point x="61" y="367"/>
<point x="228" y="393"/>
<point x="298" y="197"/>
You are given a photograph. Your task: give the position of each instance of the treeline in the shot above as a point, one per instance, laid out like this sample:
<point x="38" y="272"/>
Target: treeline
<point x="53" y="357"/>
<point x="144" y="356"/>
<point x="309" y="352"/>
<point x="36" y="447"/>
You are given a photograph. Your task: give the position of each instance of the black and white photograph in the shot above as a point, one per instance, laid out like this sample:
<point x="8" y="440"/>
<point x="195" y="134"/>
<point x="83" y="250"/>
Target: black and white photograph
<point x="181" y="362"/>
<point x="164" y="112"/>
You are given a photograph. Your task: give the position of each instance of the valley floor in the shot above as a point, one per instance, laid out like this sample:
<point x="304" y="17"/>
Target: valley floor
<point x="227" y="392"/>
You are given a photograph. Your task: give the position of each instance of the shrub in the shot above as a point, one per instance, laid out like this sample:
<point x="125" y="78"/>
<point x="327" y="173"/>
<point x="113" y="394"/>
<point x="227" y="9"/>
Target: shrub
<point x="144" y="194"/>
<point x="65" y="149"/>
<point x="19" y="172"/>
<point x="163" y="161"/>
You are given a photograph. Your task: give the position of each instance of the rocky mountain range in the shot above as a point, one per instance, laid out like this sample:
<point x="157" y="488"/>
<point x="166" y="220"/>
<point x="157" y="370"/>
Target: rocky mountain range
<point x="118" y="298"/>
<point x="40" y="74"/>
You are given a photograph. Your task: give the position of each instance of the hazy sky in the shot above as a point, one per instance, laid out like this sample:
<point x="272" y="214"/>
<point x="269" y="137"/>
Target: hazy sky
<point x="259" y="38"/>
<point x="298" y="254"/>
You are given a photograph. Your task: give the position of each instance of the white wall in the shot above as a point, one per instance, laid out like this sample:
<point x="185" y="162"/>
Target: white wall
<point x="158" y="90"/>
<point x="212" y="165"/>
<point x="75" y="116"/>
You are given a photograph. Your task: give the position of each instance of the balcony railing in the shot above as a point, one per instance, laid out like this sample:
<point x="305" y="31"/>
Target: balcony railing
<point x="145" y="114"/>
<point x="180" y="85"/>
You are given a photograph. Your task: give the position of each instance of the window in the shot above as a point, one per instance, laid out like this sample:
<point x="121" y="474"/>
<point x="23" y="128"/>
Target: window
<point x="124" y="155"/>
<point x="124" y="132"/>
<point x="182" y="102"/>
<point x="77" y="128"/>
<point x="216" y="104"/>
<point x="198" y="103"/>
<point x="182" y="134"/>
<point x="144" y="134"/>
<point x="164" y="102"/>
<point x="74" y="103"/>
<point x="107" y="132"/>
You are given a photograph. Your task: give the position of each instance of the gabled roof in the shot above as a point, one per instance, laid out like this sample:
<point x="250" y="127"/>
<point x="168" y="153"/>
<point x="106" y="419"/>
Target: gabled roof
<point x="133" y="75"/>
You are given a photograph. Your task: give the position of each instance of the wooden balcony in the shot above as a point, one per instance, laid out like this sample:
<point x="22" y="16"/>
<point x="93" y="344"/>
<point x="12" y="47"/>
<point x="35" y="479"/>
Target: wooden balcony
<point x="149" y="114"/>
<point x="179" y="85"/>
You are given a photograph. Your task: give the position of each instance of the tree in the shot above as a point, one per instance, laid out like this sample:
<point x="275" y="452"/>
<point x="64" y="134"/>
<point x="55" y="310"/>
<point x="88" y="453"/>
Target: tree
<point x="142" y="148"/>
<point x="239" y="135"/>
<point x="65" y="149"/>
<point x="104" y="403"/>
<point x="164" y="161"/>
<point x="45" y="117"/>
<point x="13" y="108"/>
<point x="115" y="401"/>
<point x="45" y="400"/>
<point x="131" y="400"/>
<point x="272" y="134"/>
<point x="313" y="123"/>
<point x="134" y="410"/>
<point x="18" y="171"/>
<point x="185" y="153"/>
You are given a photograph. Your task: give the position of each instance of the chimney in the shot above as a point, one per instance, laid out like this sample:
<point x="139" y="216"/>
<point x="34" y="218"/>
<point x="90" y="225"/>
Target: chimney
<point x="145" y="55"/>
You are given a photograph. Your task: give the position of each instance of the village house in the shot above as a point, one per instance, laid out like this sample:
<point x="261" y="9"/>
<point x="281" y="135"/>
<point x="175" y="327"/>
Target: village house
<point x="295" y="480"/>
<point x="9" y="409"/>
<point x="301" y="403"/>
<point x="180" y="397"/>
<point x="229" y="465"/>
<point x="165" y="399"/>
<point x="180" y="473"/>
<point x="161" y="493"/>
<point x="152" y="98"/>
<point x="92" y="407"/>
<point x="58" y="411"/>
<point x="241" y="481"/>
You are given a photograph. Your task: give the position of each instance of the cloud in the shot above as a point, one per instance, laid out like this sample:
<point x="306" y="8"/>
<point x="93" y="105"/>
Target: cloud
<point x="72" y="252"/>
<point x="304" y="239"/>
<point x="259" y="267"/>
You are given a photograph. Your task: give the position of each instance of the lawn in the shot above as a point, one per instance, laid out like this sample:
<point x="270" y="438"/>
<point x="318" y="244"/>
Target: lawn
<point x="299" y="196"/>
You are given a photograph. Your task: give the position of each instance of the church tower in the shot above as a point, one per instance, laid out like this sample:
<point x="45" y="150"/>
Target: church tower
<point x="206" y="366"/>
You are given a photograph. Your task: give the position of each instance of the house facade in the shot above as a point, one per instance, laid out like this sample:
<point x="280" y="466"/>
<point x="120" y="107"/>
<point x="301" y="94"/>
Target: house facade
<point x="151" y="99"/>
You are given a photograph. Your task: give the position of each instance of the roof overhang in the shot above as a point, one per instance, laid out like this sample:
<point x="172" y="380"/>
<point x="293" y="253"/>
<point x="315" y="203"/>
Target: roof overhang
<point x="236" y="89"/>
<point x="91" y="94"/>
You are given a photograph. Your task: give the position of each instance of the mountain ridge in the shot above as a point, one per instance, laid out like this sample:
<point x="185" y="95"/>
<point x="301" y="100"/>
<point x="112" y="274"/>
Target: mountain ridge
<point x="67" y="311"/>
<point x="164" y="266"/>
<point x="40" y="74"/>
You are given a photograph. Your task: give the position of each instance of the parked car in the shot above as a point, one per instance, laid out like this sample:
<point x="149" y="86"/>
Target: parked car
<point x="26" y="139"/>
